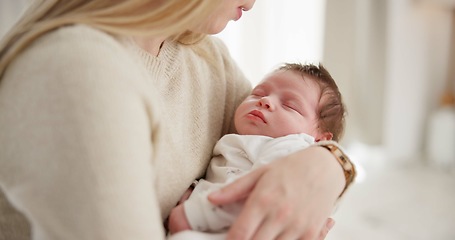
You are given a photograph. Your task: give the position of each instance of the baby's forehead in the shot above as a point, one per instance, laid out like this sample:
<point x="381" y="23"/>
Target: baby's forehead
<point x="291" y="75"/>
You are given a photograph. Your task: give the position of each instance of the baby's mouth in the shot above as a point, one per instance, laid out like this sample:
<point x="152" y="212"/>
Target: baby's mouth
<point x="258" y="114"/>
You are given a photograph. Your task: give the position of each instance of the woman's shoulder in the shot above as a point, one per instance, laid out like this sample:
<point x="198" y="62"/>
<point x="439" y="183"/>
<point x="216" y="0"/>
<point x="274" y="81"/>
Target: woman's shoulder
<point x="75" y="54"/>
<point x="73" y="38"/>
<point x="75" y="33"/>
<point x="71" y="47"/>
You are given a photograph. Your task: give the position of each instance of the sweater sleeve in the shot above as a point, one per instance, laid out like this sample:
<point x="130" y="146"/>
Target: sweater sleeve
<point x="78" y="139"/>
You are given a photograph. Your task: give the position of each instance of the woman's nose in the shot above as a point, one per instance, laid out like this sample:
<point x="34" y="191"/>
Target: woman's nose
<point x="266" y="103"/>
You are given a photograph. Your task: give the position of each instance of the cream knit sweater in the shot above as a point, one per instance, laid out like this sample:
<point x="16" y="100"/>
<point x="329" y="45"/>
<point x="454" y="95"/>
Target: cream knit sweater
<point x="98" y="139"/>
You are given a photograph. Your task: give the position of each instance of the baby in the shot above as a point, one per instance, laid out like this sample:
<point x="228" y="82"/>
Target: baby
<point x="292" y="108"/>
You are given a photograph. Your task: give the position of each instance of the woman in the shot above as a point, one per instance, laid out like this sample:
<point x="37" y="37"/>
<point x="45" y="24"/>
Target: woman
<point x="110" y="109"/>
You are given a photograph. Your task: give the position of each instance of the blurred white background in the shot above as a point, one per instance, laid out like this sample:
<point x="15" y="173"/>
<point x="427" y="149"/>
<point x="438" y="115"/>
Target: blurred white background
<point x="393" y="61"/>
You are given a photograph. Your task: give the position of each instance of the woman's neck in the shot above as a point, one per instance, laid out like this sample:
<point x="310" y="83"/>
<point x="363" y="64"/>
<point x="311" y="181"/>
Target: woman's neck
<point x="150" y="45"/>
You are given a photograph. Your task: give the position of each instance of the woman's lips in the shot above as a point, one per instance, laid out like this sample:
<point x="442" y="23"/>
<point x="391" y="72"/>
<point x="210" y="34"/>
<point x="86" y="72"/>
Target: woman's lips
<point x="239" y="14"/>
<point x="257" y="114"/>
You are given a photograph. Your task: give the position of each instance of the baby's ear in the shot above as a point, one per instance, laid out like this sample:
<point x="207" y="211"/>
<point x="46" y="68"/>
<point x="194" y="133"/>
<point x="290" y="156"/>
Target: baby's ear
<point x="324" y="136"/>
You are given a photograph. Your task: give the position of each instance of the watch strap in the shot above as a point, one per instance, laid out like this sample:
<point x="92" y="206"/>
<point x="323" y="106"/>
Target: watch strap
<point x="348" y="167"/>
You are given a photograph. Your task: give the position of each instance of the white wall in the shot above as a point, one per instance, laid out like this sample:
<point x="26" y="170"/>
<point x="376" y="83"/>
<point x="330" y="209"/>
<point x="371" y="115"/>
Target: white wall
<point x="417" y="67"/>
<point x="354" y="47"/>
<point x="391" y="61"/>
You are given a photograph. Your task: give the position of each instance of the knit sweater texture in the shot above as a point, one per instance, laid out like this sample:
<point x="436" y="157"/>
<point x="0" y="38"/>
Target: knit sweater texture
<point x="99" y="139"/>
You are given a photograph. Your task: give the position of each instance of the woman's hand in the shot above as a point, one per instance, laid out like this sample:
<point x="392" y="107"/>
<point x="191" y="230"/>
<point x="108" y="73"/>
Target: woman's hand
<point x="290" y="198"/>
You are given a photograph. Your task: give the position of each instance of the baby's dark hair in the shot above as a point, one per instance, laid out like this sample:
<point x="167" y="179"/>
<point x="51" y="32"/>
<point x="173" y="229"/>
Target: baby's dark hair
<point x="331" y="110"/>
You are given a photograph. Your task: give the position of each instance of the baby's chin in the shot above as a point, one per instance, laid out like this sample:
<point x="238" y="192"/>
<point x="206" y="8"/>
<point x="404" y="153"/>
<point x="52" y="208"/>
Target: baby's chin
<point x="256" y="132"/>
<point x="249" y="133"/>
<point x="265" y="132"/>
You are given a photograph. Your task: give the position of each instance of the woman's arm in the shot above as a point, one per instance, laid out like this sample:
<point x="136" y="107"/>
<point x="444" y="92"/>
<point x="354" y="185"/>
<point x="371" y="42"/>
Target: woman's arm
<point x="302" y="188"/>
<point x="79" y="163"/>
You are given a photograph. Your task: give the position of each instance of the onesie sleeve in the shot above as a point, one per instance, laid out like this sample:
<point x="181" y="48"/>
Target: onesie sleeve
<point x="78" y="139"/>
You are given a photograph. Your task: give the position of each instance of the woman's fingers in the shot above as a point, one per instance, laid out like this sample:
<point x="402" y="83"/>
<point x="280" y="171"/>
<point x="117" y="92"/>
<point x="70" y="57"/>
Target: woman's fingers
<point x="249" y="220"/>
<point x="272" y="228"/>
<point x="281" y="220"/>
<point x="251" y="216"/>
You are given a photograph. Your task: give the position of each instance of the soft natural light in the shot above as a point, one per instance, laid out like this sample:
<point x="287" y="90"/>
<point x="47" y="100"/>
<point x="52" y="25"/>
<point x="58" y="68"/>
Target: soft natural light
<point x="274" y="32"/>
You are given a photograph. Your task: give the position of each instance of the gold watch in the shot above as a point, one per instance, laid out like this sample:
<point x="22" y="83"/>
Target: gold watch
<point x="345" y="162"/>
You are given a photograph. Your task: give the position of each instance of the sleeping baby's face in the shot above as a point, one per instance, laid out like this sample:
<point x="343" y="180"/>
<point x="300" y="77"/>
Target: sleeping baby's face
<point x="283" y="103"/>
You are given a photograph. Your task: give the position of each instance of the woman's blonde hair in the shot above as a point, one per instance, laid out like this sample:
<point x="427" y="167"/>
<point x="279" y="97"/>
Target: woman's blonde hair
<point x="118" y="17"/>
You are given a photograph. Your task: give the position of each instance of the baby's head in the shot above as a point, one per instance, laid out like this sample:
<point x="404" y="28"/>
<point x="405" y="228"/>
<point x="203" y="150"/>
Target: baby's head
<point x="295" y="98"/>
